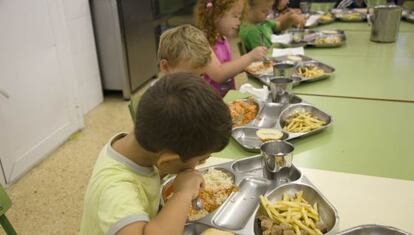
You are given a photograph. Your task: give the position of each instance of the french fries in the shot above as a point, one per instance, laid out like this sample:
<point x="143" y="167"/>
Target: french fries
<point x="327" y="40"/>
<point x="301" y="122"/>
<point x="293" y="212"/>
<point x="309" y="71"/>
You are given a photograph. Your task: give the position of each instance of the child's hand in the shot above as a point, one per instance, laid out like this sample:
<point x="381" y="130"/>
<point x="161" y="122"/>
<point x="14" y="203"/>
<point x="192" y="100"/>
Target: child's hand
<point x="258" y="53"/>
<point x="297" y="20"/>
<point x="189" y="182"/>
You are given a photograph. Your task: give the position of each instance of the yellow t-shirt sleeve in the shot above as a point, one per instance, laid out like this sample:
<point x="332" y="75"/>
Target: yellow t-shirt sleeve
<point x="120" y="204"/>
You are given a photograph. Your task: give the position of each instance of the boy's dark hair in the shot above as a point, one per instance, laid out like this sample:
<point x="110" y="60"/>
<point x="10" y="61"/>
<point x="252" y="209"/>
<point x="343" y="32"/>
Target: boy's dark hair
<point x="183" y="114"/>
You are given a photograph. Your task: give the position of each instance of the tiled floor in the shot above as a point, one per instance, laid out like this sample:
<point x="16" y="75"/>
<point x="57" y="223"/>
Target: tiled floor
<point x="49" y="198"/>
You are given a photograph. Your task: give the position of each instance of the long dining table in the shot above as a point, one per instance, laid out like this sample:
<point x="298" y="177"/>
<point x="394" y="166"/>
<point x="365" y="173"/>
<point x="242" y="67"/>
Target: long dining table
<point x="364" y="162"/>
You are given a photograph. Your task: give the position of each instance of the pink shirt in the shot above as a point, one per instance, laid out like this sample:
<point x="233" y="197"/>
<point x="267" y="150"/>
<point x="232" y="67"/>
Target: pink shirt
<point x="223" y="53"/>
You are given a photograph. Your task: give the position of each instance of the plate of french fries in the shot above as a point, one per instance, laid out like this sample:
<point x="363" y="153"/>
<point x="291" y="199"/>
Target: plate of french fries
<point x="311" y="71"/>
<point x="302" y="118"/>
<point x="297" y="209"/>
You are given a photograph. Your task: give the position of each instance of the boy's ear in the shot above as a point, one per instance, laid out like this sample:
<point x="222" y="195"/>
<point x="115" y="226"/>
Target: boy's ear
<point x="167" y="157"/>
<point x="164" y="66"/>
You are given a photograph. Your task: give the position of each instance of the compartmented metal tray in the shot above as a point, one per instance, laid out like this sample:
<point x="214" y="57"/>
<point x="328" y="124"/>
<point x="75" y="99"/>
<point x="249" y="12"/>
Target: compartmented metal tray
<point x="300" y="61"/>
<point x="238" y="214"/>
<point x="373" y="229"/>
<point x="324" y="37"/>
<point x="311" y="37"/>
<point x="323" y="21"/>
<point x="274" y="115"/>
<point x="409" y="16"/>
<point x="349" y="15"/>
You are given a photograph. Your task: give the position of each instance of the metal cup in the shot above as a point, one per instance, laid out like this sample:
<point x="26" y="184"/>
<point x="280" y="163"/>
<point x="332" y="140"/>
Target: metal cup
<point x="305" y="6"/>
<point x="283" y="69"/>
<point x="276" y="155"/>
<point x="297" y="35"/>
<point x="280" y="89"/>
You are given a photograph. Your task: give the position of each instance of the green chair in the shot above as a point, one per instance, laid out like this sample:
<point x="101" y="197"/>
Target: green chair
<point x="5" y="204"/>
<point x="132" y="106"/>
<point x="322" y="6"/>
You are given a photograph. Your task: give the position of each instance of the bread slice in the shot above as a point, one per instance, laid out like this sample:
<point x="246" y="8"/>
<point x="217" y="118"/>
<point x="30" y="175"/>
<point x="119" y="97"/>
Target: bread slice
<point x="213" y="231"/>
<point x="266" y="134"/>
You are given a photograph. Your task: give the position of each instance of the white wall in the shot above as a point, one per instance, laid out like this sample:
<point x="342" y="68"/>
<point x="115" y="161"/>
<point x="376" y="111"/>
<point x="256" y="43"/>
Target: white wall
<point x="83" y="50"/>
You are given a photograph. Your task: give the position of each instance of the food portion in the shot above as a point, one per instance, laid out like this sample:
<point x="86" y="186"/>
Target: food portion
<point x="243" y="111"/>
<point x="218" y="187"/>
<point x="309" y="71"/>
<point x="294" y="58"/>
<point x="291" y="215"/>
<point x="328" y="17"/>
<point x="327" y="40"/>
<point x="260" y="68"/>
<point x="213" y="231"/>
<point x="266" y="134"/>
<point x="301" y="122"/>
<point x="352" y="16"/>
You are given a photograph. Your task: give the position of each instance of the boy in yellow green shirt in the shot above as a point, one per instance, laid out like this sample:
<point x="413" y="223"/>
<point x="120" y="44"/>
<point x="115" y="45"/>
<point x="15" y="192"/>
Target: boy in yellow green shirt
<point x="181" y="121"/>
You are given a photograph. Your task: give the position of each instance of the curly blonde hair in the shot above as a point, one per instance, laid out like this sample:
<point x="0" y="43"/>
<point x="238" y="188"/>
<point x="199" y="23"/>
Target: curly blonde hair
<point x="207" y="12"/>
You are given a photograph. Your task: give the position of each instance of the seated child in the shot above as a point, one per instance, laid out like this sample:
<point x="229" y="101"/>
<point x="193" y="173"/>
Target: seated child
<point x="183" y="49"/>
<point x="220" y="20"/>
<point x="182" y="121"/>
<point x="351" y="4"/>
<point x="257" y="26"/>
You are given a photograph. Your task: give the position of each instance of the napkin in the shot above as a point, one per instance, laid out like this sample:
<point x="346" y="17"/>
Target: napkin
<point x="284" y="38"/>
<point x="288" y="51"/>
<point x="260" y="94"/>
<point x="312" y="20"/>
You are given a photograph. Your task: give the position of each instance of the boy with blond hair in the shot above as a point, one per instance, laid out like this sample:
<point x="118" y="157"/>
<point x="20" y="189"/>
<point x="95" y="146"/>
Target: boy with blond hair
<point x="183" y="49"/>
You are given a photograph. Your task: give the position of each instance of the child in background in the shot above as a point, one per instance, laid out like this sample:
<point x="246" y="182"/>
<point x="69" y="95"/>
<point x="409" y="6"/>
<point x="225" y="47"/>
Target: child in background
<point x="219" y="20"/>
<point x="281" y="7"/>
<point x="257" y="30"/>
<point x="182" y="121"/>
<point x="183" y="49"/>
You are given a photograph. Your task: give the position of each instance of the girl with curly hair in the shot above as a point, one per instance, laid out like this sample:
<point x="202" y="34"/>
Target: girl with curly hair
<point x="219" y="20"/>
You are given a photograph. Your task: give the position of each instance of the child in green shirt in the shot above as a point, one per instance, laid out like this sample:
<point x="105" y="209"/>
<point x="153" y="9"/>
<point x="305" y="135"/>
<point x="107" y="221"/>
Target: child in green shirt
<point x="257" y="30"/>
<point x="181" y="121"/>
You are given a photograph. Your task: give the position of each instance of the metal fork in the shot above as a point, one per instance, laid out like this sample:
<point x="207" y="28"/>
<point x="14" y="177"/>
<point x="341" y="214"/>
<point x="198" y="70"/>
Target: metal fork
<point x="266" y="58"/>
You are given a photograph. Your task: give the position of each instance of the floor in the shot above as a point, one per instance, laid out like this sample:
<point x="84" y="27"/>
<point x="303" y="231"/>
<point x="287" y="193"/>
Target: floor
<point x="49" y="199"/>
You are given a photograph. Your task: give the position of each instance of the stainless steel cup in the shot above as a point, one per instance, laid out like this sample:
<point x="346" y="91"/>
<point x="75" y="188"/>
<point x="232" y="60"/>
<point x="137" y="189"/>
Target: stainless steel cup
<point x="385" y="23"/>
<point x="283" y="69"/>
<point x="280" y="89"/>
<point x="305" y="6"/>
<point x="276" y="155"/>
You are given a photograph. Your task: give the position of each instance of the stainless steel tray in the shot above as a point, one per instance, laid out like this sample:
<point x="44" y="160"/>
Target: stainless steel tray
<point x="327" y="34"/>
<point x="323" y="22"/>
<point x="409" y="16"/>
<point x="342" y="15"/>
<point x="265" y="78"/>
<point x="373" y="229"/>
<point x="238" y="213"/>
<point x="273" y="115"/>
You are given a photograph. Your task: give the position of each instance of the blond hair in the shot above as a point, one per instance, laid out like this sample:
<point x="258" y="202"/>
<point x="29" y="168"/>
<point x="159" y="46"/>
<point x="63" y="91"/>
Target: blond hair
<point x="207" y="15"/>
<point x="184" y="43"/>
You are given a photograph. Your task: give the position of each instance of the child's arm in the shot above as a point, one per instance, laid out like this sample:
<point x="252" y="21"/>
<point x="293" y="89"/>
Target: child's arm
<point x="221" y="72"/>
<point x="173" y="215"/>
<point x="287" y="20"/>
